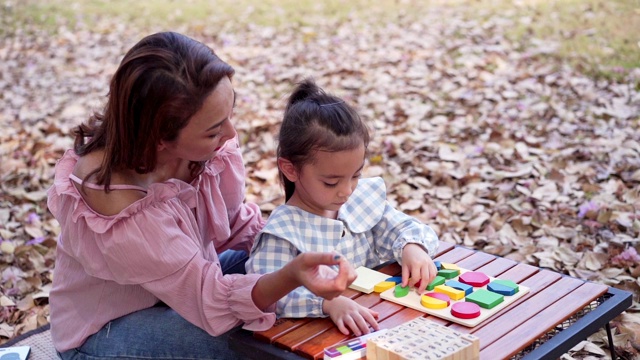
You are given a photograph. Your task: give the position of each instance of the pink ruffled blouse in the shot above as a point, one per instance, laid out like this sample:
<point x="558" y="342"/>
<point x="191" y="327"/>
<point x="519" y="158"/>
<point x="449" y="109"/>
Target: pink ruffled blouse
<point x="161" y="248"/>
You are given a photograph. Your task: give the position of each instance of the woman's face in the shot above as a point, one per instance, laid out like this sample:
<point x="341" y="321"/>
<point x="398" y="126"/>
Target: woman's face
<point x="209" y="128"/>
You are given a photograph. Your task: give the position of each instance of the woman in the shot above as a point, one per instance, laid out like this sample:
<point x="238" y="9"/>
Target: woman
<point x="154" y="225"/>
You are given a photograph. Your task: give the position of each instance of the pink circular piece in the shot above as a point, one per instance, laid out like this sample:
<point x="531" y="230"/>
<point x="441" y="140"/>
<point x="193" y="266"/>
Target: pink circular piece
<point x="465" y="310"/>
<point x="474" y="278"/>
<point x="439" y="296"/>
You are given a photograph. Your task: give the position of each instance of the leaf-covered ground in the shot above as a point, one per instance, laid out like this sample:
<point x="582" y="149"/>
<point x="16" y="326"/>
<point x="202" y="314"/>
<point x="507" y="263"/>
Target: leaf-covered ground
<point x="500" y="146"/>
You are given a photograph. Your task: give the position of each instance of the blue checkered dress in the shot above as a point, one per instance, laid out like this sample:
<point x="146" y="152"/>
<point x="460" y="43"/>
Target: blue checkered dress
<point x="368" y="232"/>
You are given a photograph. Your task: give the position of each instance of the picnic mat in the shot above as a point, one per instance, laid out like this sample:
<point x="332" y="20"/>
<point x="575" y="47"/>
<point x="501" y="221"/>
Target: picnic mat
<point x="40" y="342"/>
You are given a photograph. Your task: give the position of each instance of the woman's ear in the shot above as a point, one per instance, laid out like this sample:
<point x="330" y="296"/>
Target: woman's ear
<point x="288" y="169"/>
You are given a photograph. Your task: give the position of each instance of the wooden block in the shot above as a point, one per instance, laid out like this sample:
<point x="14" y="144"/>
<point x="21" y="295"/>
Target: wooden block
<point x="383" y="286"/>
<point x="367" y="279"/>
<point x="395" y="279"/>
<point x="465" y="310"/>
<point x="485" y="298"/>
<point x="508" y="283"/>
<point x="501" y="289"/>
<point x="449" y="273"/>
<point x="431" y="302"/>
<point x="449" y="266"/>
<point x="468" y="289"/>
<point x="422" y="339"/>
<point x="351" y="349"/>
<point x="401" y="291"/>
<point x="438" y="280"/>
<point x="454" y="294"/>
<point x="474" y="278"/>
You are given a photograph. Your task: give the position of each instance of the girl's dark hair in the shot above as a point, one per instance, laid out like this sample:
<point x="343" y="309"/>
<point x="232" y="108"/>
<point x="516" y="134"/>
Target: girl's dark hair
<point x="314" y="120"/>
<point x="160" y="84"/>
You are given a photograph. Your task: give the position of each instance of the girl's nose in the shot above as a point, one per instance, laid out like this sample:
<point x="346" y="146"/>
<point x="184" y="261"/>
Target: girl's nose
<point x="346" y="189"/>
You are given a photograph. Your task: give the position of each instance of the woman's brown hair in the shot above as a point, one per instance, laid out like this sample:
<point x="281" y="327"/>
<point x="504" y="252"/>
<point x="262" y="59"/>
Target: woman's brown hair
<point x="160" y="84"/>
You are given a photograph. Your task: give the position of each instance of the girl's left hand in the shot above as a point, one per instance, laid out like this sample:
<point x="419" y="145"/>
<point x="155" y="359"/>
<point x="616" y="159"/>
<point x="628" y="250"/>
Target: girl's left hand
<point x="417" y="266"/>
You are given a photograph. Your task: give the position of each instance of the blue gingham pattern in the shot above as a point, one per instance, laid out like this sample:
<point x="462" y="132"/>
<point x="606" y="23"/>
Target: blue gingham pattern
<point x="374" y="232"/>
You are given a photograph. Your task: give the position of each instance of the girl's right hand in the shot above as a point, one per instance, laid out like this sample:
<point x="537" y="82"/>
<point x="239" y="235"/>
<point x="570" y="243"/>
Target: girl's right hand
<point x="349" y="315"/>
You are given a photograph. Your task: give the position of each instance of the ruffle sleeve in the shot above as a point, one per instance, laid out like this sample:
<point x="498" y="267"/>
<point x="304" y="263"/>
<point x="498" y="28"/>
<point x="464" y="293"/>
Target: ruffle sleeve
<point x="225" y="217"/>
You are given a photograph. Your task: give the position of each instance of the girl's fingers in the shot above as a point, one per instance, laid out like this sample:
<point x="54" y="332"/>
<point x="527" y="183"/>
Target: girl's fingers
<point x="351" y="324"/>
<point x="370" y="317"/>
<point x="342" y="328"/>
<point x="406" y="277"/>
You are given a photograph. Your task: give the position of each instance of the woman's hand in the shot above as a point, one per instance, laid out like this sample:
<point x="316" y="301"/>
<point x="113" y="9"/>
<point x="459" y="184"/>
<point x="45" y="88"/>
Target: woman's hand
<point x="311" y="270"/>
<point x="417" y="266"/>
<point x="349" y="315"/>
<point x="314" y="273"/>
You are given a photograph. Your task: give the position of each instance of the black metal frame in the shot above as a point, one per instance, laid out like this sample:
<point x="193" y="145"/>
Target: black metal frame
<point x="616" y="302"/>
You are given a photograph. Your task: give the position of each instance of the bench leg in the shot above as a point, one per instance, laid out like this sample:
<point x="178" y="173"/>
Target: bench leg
<point x="612" y="347"/>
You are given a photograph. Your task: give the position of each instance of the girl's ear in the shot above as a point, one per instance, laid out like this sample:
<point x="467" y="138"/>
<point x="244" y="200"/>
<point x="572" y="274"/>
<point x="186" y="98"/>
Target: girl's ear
<point x="288" y="170"/>
<point x="161" y="146"/>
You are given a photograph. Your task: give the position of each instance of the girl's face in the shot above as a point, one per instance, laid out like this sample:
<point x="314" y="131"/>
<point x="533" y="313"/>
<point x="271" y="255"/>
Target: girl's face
<point x="325" y="184"/>
<point x="209" y="128"/>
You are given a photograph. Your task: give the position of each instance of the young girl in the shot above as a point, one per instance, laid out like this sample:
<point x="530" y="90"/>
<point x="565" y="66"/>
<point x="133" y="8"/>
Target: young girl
<point x="150" y="203"/>
<point x="321" y="153"/>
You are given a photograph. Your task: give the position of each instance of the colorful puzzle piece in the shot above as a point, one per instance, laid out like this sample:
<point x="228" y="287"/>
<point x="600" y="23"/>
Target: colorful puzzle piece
<point x="350" y="349"/>
<point x="485" y="298"/>
<point x="395" y="279"/>
<point x="449" y="273"/>
<point x="366" y="279"/>
<point x="477" y="303"/>
<point x="401" y="291"/>
<point x="449" y="266"/>
<point x="474" y="278"/>
<point x="434" y="301"/>
<point x="383" y="286"/>
<point x="465" y="310"/>
<point x="468" y="289"/>
<point x="438" y="280"/>
<point x="501" y="288"/>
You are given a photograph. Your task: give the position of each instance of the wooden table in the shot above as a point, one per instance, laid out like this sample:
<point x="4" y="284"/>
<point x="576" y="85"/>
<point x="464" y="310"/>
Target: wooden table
<point x="570" y="309"/>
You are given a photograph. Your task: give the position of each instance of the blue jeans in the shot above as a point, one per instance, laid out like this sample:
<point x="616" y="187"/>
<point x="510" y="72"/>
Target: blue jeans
<point x="159" y="332"/>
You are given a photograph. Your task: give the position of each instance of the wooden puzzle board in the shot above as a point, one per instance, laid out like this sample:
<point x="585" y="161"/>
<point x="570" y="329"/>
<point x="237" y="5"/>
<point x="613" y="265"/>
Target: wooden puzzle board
<point x="412" y="300"/>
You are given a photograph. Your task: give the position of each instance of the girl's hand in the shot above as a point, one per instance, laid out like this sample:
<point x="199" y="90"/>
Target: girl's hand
<point x="313" y="272"/>
<point x="417" y="266"/>
<point x="349" y="315"/>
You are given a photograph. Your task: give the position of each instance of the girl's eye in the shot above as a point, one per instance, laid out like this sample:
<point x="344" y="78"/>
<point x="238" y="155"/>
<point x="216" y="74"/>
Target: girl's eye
<point x="214" y="136"/>
<point x="330" y="185"/>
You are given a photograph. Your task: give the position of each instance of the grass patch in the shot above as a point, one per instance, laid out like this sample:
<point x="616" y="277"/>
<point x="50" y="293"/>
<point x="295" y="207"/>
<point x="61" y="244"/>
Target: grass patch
<point x="595" y="35"/>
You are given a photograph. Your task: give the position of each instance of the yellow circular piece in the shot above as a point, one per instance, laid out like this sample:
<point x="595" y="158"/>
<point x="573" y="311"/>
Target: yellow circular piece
<point x="383" y="286"/>
<point x="432" y="303"/>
